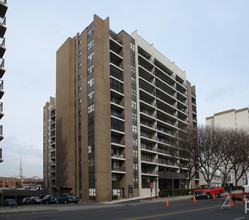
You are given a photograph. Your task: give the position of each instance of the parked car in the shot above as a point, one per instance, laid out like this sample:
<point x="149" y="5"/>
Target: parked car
<point x="25" y="201"/>
<point x="208" y="190"/>
<point x="35" y="200"/>
<point x="50" y="199"/>
<point x="10" y="202"/>
<point x="70" y="197"/>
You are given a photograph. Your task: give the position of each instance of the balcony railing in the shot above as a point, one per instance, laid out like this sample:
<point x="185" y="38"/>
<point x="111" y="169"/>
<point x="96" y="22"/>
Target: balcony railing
<point x="114" y="37"/>
<point x="166" y="100"/>
<point x="116" y="114"/>
<point x="165" y="120"/>
<point x="1" y="132"/>
<point x="1" y="88"/>
<point x="147" y="87"/>
<point x="151" y="113"/>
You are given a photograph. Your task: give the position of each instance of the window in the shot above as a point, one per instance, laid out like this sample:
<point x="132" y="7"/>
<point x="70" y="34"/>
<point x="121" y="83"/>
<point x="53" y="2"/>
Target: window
<point x="132" y="46"/>
<point x="134" y="105"/>
<point x="135" y="153"/>
<point x="90" y="31"/>
<point x="134" y="141"/>
<point x="115" y="164"/>
<point x="133" y="80"/>
<point x="134" y="116"/>
<point x="91" y="82"/>
<point x="114" y="177"/>
<point x="90" y="149"/>
<point x="79" y="100"/>
<point x="134" y="129"/>
<point x="90" y="56"/>
<point x="90" y="69"/>
<point x="91" y="108"/>
<point x="133" y="92"/>
<point x="90" y="44"/>
<point x="133" y="70"/>
<point x="90" y="95"/>
<point x="135" y="178"/>
<point x="91" y="163"/>
<point x="135" y="166"/>
<point x="79" y="88"/>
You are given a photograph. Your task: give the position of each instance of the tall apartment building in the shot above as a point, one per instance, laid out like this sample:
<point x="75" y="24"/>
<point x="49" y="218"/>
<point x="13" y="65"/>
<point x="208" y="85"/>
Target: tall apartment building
<point x="119" y="107"/>
<point x="49" y="145"/>
<point x="235" y="119"/>
<point x="3" y="28"/>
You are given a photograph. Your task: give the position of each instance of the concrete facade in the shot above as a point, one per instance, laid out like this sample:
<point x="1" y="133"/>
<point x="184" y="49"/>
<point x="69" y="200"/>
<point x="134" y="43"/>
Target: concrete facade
<point x="235" y="119"/>
<point x="119" y="106"/>
<point x="49" y="146"/>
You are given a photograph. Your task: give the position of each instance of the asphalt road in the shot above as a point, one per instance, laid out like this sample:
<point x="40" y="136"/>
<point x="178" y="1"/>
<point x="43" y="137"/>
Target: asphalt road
<point x="185" y="209"/>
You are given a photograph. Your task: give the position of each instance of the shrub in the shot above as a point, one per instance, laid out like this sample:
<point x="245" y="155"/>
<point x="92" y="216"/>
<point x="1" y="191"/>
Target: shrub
<point x="177" y="192"/>
<point x="115" y="197"/>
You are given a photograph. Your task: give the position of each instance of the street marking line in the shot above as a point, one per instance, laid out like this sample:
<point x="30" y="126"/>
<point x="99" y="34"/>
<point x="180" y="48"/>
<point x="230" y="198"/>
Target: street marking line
<point x="174" y="213"/>
<point x="239" y="218"/>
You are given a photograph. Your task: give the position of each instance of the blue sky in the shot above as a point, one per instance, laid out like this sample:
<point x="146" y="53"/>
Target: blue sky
<point x="208" y="39"/>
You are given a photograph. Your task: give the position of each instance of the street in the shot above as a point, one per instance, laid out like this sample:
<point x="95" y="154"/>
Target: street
<point x="184" y="209"/>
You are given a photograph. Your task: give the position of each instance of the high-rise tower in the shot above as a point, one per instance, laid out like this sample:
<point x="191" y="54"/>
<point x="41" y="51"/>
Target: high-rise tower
<point x="3" y="28"/>
<point x="49" y="145"/>
<point x="119" y="107"/>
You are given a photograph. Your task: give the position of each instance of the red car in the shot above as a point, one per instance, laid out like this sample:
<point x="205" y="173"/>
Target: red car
<point x="208" y="190"/>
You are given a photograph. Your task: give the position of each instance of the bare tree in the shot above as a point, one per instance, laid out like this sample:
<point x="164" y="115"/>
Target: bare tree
<point x="227" y="150"/>
<point x="211" y="157"/>
<point x="240" y="156"/>
<point x="188" y="152"/>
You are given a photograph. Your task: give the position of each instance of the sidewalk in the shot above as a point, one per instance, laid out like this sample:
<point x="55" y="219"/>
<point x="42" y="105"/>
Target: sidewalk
<point x="66" y="207"/>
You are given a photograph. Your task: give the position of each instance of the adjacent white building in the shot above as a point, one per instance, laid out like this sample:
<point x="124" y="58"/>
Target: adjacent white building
<point x="233" y="119"/>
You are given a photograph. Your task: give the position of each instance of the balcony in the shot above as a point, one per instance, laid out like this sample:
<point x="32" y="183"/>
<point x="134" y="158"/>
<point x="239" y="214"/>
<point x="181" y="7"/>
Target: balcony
<point x="2" y="48"/>
<point x="115" y="46"/>
<point x="2" y="69"/>
<point x="145" y="63"/>
<point x="116" y="72"/>
<point x="116" y="86"/>
<point x="3" y="27"/>
<point x="1" y="89"/>
<point x="115" y="39"/>
<point x="171" y="175"/>
<point x="117" y="141"/>
<point x="3" y="8"/>
<point x="1" y="158"/>
<point x="1" y="110"/>
<point x="166" y="98"/>
<point x="146" y="87"/>
<point x="165" y="78"/>
<point x="144" y="73"/>
<point x="165" y="130"/>
<point x="147" y="146"/>
<point x="118" y="170"/>
<point x="1" y="132"/>
<point x="118" y="157"/>
<point x="147" y="114"/>
<point x="117" y="115"/>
